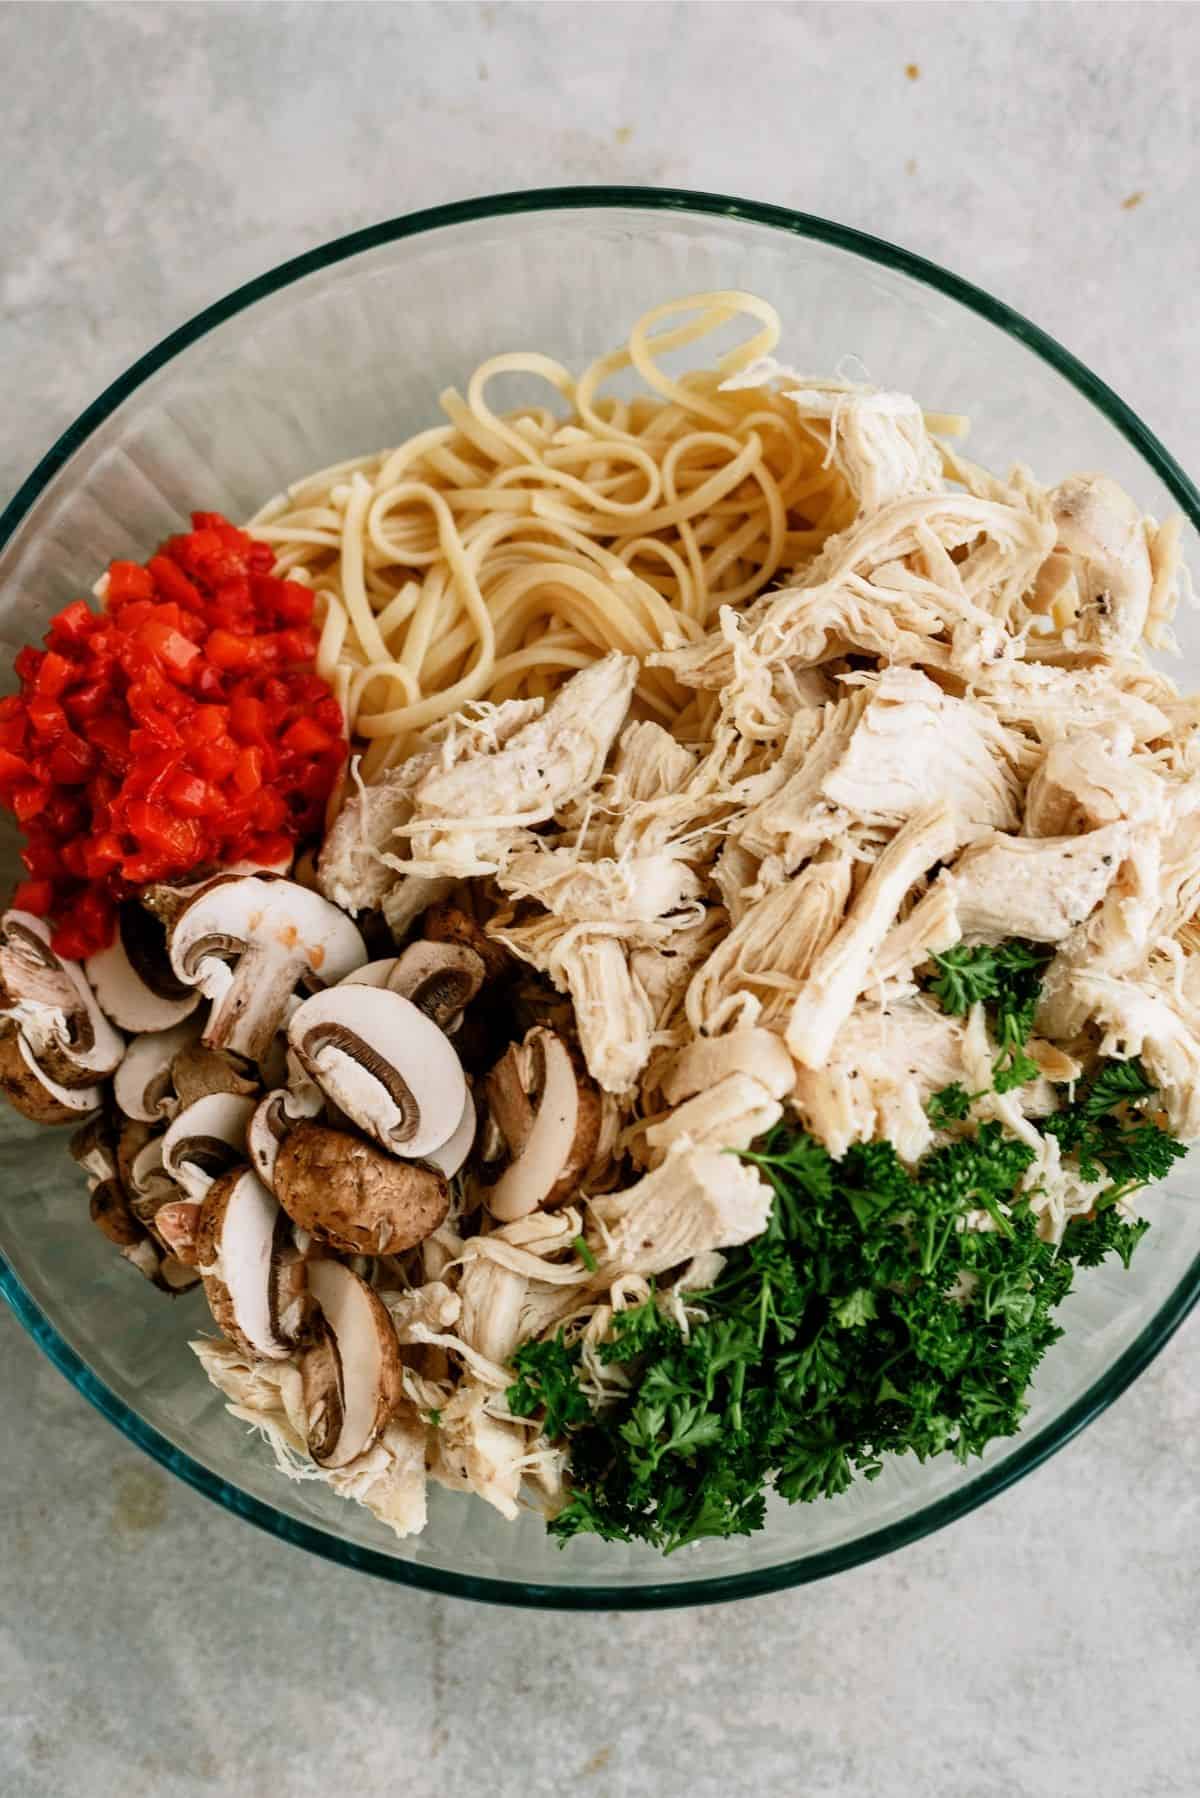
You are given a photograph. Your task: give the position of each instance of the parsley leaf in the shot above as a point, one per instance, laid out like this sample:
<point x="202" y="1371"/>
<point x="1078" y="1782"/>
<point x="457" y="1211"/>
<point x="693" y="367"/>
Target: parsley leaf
<point x="868" y="1320"/>
<point x="1007" y="979"/>
<point x="950" y="1105"/>
<point x="546" y="1381"/>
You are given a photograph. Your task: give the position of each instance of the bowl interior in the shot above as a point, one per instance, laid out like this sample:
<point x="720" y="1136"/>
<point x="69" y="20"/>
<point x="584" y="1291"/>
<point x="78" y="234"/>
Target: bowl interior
<point x="350" y="354"/>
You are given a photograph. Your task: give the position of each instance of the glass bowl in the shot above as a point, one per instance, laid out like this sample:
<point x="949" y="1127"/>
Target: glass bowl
<point x="343" y="350"/>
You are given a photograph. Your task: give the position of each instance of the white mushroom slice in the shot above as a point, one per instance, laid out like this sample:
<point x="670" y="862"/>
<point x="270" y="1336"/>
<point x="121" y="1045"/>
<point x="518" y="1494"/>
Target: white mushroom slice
<point x="248" y="943"/>
<point x="384" y="1063"/>
<point x="143" y="1085"/>
<point x="374" y="973"/>
<point x="33" y="1093"/>
<point x="206" y="1140"/>
<point x="554" y="1144"/>
<point x="53" y="1006"/>
<point x="441" y="979"/>
<point x="133" y="979"/>
<point x="244" y="1256"/>
<point x="450" y="1155"/>
<point x="758" y="1053"/>
<point x="352" y="1376"/>
<point x="270" y="1122"/>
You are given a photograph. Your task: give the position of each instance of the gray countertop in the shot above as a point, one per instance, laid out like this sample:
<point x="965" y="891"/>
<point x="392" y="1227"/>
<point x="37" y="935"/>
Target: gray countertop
<point x="156" y="155"/>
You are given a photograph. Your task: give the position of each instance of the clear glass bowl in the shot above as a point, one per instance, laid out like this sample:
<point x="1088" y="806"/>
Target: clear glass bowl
<point x="344" y="350"/>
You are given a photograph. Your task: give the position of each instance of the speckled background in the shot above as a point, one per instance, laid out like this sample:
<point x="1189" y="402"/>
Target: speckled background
<point x="154" y="156"/>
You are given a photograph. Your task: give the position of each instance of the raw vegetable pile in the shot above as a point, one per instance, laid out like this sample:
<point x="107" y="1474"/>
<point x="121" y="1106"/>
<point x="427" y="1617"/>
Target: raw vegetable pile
<point x="182" y="726"/>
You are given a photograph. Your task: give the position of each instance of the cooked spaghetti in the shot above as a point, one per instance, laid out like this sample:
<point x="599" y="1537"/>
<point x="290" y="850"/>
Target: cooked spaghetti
<point x="491" y="556"/>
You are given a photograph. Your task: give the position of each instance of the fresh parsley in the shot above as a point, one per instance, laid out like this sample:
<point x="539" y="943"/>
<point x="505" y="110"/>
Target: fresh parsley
<point x="1007" y="979"/>
<point x="547" y="1382"/>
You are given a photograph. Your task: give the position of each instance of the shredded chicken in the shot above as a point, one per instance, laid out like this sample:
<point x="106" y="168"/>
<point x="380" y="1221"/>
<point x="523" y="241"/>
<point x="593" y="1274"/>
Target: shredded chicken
<point x="938" y="729"/>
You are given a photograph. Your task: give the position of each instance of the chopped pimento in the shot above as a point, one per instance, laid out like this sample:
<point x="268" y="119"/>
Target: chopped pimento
<point x="182" y="726"/>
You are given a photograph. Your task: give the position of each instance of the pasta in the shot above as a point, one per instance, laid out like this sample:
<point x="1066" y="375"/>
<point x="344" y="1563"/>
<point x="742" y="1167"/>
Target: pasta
<point x="492" y="556"/>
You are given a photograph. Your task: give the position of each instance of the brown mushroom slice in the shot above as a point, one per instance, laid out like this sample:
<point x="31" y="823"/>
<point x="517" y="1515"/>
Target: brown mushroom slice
<point x="94" y="1147"/>
<point x="33" y="1093"/>
<point x="248" y="943"/>
<point x="450" y="1156"/>
<point x="352" y="1375"/>
<point x="559" y="1142"/>
<point x="197" y="1072"/>
<point x="447" y="922"/>
<point x="112" y="1216"/>
<point x="133" y="980"/>
<point x="206" y="1140"/>
<point x="273" y="1117"/>
<point x="241" y="1250"/>
<point x="384" y="1064"/>
<point x="177" y="1224"/>
<point x="441" y="979"/>
<point x="348" y="1193"/>
<point x="143" y="1085"/>
<point x="140" y="1166"/>
<point x="53" y="1006"/>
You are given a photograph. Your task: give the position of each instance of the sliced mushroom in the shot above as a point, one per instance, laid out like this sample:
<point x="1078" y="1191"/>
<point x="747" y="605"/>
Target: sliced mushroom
<point x="441" y="979"/>
<point x="140" y="1166"/>
<point x="248" y="942"/>
<point x="384" y="1063"/>
<point x="352" y="1374"/>
<point x="273" y="1117"/>
<point x="449" y="1156"/>
<point x="133" y="979"/>
<point x="94" y="1147"/>
<point x="197" y="1072"/>
<point x="53" y="1006"/>
<point x="549" y="1113"/>
<point x="451" y="923"/>
<point x="177" y="1225"/>
<point x="348" y="1193"/>
<point x="112" y="1216"/>
<point x="206" y="1140"/>
<point x="253" y="1278"/>
<point x="166" y="899"/>
<point x="143" y="1085"/>
<point x="373" y="973"/>
<point x="32" y="1092"/>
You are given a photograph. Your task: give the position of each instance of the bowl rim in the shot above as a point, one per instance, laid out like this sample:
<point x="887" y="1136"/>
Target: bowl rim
<point x="707" y="1589"/>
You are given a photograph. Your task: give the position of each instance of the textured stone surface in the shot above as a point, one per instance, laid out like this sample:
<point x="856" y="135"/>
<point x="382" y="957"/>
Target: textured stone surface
<point x="155" y="156"/>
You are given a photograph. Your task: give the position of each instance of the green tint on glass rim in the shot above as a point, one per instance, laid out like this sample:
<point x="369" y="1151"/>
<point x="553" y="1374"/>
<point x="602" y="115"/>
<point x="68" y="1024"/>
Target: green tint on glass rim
<point x="1115" y="1374"/>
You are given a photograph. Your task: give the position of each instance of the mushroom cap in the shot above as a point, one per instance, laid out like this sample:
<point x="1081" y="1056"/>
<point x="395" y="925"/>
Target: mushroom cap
<point x="54" y="1007"/>
<point x="450" y="1155"/>
<point x="352" y="1375"/>
<point x="32" y="1092"/>
<point x="197" y="1071"/>
<point x="206" y="1140"/>
<point x="143" y="1085"/>
<point x="441" y="979"/>
<point x="272" y="1118"/>
<point x="373" y="973"/>
<point x="132" y="979"/>
<point x="447" y="922"/>
<point x="248" y="941"/>
<point x="348" y="1193"/>
<point x="383" y="1063"/>
<point x="553" y="1142"/>
<point x="176" y="1224"/>
<point x="240" y="1245"/>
